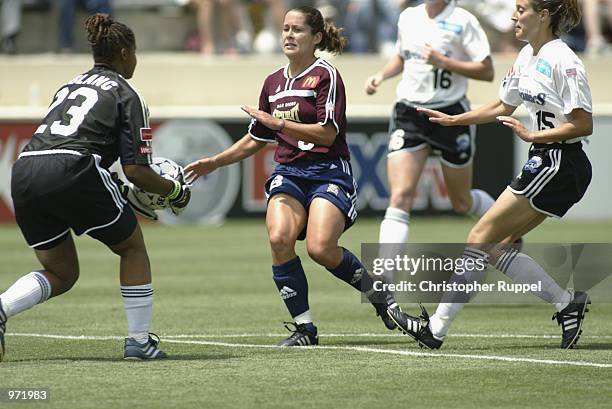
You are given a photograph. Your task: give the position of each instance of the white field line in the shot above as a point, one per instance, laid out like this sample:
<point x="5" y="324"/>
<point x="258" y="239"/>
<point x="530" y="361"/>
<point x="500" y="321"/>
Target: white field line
<point x="169" y="340"/>
<point x="379" y="335"/>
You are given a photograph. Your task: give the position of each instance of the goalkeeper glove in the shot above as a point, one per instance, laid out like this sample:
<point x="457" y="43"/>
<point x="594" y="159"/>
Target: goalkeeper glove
<point x="179" y="197"/>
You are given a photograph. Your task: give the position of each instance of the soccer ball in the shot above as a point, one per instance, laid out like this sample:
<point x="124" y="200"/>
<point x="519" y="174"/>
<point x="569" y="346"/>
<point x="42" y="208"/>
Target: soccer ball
<point x="166" y="168"/>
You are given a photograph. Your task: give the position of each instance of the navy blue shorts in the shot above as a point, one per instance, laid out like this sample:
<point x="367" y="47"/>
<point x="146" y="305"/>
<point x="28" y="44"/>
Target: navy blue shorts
<point x="304" y="180"/>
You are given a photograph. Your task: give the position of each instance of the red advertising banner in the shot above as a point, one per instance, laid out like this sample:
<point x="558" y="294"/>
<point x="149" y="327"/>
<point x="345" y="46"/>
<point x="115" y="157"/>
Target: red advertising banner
<point x="13" y="137"/>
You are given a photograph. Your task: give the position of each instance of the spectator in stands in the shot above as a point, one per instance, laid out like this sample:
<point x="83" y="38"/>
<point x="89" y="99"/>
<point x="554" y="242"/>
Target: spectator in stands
<point x="267" y="17"/>
<point x="596" y="42"/>
<point x="371" y="25"/>
<point x="11" y="24"/>
<point x="495" y="16"/>
<point x="231" y="17"/>
<point x="67" y="12"/>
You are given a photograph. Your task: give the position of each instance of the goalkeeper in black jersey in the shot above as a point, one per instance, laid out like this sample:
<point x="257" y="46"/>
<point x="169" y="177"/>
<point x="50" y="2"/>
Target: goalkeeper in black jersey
<point x="61" y="182"/>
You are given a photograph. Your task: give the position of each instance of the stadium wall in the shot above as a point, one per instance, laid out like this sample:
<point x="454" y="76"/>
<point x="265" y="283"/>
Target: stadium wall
<point x="198" y="100"/>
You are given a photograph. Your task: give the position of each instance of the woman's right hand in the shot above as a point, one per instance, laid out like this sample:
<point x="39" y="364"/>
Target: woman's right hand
<point x="199" y="168"/>
<point x="438" y="117"/>
<point x="372" y="83"/>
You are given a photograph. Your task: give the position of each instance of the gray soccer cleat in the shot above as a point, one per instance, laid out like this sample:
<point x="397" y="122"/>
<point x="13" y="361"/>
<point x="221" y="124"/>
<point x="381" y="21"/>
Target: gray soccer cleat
<point x="134" y="350"/>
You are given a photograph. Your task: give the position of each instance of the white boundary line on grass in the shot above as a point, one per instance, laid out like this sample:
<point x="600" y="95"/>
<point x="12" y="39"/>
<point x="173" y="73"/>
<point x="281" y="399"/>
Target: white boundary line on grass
<point x="170" y="340"/>
<point x="378" y="335"/>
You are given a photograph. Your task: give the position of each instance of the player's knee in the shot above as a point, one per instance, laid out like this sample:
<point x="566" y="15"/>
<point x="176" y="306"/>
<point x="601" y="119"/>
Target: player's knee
<point x="63" y="279"/>
<point x="402" y="198"/>
<point x="70" y="279"/>
<point x="321" y="253"/>
<point x="280" y="243"/>
<point x="129" y="247"/>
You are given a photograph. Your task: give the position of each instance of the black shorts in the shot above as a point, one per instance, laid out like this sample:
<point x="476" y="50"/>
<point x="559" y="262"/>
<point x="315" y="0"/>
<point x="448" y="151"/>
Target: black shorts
<point x="554" y="178"/>
<point x="411" y="131"/>
<point x="55" y="192"/>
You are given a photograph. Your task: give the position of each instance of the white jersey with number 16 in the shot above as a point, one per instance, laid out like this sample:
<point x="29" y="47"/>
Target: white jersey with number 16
<point x="455" y="33"/>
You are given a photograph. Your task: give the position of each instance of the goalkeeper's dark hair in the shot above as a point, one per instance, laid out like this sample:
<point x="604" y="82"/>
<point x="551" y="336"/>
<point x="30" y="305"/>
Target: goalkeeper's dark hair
<point x="107" y="37"/>
<point x="564" y="14"/>
<point x="332" y="40"/>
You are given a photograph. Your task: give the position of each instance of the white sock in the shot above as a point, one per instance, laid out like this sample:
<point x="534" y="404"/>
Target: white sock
<point x="446" y="312"/>
<point x="29" y="290"/>
<point x="440" y="322"/>
<point x="481" y="202"/>
<point x="524" y="270"/>
<point x="138" y="302"/>
<point x="303" y="318"/>
<point x="395" y="226"/>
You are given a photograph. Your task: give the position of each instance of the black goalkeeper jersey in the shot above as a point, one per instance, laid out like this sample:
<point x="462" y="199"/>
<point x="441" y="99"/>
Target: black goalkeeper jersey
<point x="100" y="113"/>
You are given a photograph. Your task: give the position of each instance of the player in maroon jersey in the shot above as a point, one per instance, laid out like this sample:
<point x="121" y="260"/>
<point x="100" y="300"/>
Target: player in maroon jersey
<point x="311" y="193"/>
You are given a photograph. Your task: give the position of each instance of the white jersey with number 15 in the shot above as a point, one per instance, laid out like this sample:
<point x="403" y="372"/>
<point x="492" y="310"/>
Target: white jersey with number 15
<point x="550" y="84"/>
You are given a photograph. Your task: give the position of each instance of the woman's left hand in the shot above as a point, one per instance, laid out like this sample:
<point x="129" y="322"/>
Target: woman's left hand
<point x="263" y="117"/>
<point x="518" y="128"/>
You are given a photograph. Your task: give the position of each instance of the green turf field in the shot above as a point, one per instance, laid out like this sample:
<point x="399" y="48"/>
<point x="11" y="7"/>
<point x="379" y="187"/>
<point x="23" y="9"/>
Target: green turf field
<point x="218" y="314"/>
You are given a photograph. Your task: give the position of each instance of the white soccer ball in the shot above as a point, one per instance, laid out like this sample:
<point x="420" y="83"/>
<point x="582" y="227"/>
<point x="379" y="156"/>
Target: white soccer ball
<point x="166" y="168"/>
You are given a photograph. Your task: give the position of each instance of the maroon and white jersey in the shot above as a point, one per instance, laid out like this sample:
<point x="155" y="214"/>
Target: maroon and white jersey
<point x="315" y="96"/>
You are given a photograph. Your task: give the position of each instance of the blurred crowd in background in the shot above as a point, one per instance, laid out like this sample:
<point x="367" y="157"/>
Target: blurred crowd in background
<point x="236" y="27"/>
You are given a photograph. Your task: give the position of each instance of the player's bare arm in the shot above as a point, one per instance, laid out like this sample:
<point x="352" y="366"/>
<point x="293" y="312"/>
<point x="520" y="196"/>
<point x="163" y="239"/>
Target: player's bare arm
<point x="393" y="67"/>
<point x="477" y="70"/>
<point x="323" y="135"/>
<point x="580" y="124"/>
<point x="242" y="149"/>
<point x="487" y="113"/>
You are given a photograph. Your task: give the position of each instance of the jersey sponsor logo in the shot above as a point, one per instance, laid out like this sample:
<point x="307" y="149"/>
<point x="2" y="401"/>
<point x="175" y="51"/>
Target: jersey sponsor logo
<point x="544" y="67"/>
<point x="455" y="28"/>
<point x="533" y="164"/>
<point x="311" y="81"/>
<point x="539" y="99"/>
<point x="571" y="72"/>
<point x="292" y="114"/>
<point x="146" y="150"/>
<point x="146" y="134"/>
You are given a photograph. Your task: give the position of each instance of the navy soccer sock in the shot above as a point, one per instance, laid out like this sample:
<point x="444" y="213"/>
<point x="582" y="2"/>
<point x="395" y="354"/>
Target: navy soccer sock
<point x="353" y="272"/>
<point x="292" y="286"/>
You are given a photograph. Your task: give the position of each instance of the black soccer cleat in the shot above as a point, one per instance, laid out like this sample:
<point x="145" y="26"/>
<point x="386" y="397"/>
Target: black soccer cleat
<point x="428" y="340"/>
<point x="381" y="311"/>
<point x="416" y="327"/>
<point x="570" y="319"/>
<point x="3" y="319"/>
<point x="301" y="336"/>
